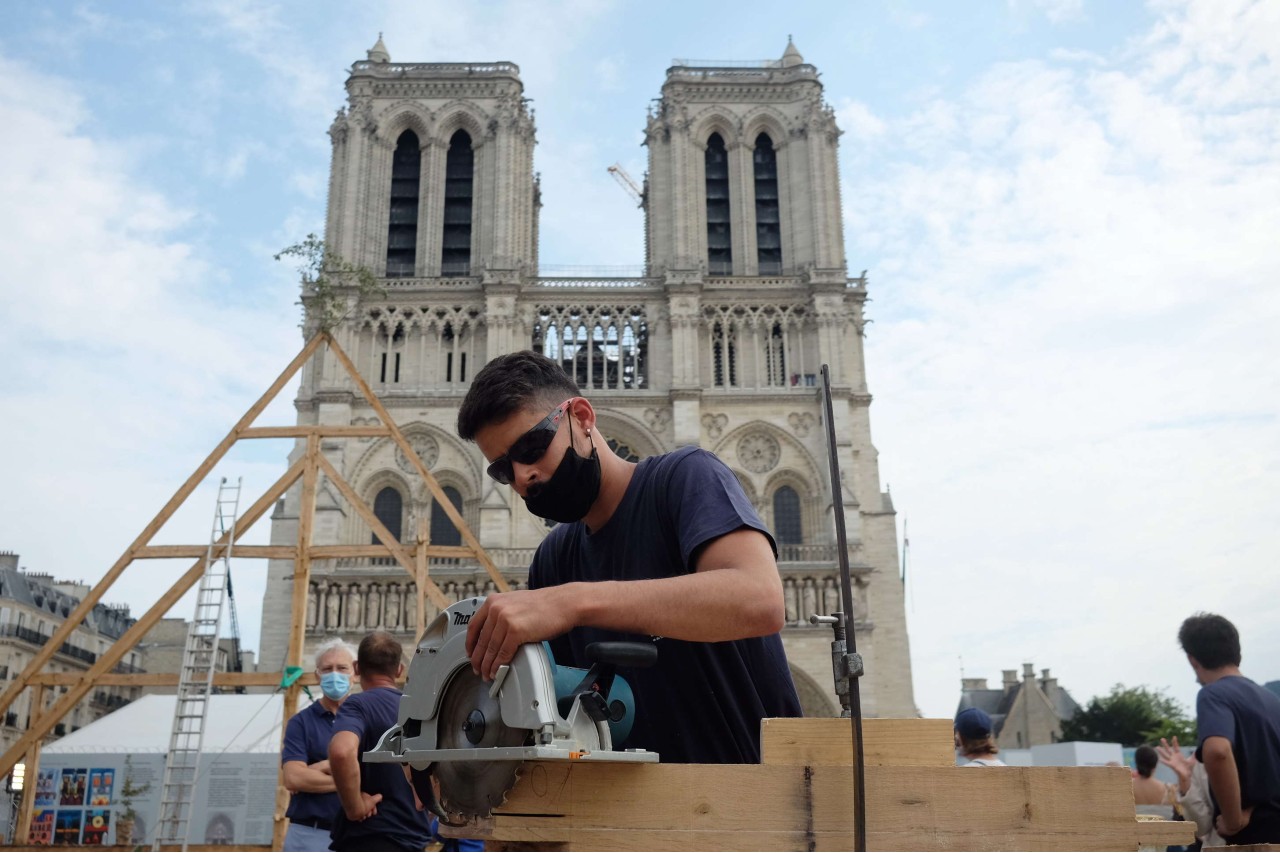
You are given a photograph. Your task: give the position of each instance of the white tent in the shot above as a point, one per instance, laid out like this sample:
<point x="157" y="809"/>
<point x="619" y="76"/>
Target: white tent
<point x="236" y="723"/>
<point x="82" y="776"/>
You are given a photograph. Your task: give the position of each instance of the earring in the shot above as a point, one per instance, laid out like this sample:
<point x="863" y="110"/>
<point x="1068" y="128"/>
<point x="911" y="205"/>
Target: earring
<point x="588" y="433"/>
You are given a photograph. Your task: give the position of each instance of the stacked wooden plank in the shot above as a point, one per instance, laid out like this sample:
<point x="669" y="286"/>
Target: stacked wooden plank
<point x="800" y="798"/>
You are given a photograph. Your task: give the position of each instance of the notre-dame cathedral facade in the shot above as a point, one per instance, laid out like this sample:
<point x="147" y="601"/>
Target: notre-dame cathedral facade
<point x="719" y="343"/>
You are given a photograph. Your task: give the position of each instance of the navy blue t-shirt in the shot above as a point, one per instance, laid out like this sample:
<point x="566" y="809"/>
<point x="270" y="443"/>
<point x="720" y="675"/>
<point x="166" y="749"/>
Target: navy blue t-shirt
<point x="368" y="715"/>
<point x="306" y="739"/>
<point x="702" y="702"/>
<point x="1249" y="717"/>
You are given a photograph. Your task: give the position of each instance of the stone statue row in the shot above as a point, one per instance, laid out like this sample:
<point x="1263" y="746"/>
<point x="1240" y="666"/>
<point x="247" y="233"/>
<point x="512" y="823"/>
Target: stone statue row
<point x="334" y="606"/>
<point x="806" y="596"/>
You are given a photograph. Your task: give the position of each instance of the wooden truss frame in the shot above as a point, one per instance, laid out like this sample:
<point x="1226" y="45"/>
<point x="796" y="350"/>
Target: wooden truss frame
<point x="308" y="468"/>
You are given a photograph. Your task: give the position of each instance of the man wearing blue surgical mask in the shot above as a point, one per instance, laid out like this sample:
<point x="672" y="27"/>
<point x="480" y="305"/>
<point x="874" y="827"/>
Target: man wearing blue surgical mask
<point x="314" y="803"/>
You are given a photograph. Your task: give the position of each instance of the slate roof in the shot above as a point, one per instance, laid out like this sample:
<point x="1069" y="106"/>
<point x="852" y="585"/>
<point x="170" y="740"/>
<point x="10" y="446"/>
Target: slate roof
<point x="997" y="702"/>
<point x="35" y="592"/>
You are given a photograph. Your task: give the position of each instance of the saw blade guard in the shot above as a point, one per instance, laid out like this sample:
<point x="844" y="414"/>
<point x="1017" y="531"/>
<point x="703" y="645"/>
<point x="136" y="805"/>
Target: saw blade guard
<point x="525" y="694"/>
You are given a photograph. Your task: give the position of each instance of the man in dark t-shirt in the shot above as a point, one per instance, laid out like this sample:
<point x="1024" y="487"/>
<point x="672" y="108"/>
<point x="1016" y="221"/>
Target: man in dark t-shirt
<point x="1239" y="729"/>
<point x="669" y="550"/>
<point x="379" y="809"/>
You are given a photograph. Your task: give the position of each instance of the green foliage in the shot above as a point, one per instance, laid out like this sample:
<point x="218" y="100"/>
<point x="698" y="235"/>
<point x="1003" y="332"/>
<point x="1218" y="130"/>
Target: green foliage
<point x="332" y="287"/>
<point x="130" y="792"/>
<point x="1130" y="716"/>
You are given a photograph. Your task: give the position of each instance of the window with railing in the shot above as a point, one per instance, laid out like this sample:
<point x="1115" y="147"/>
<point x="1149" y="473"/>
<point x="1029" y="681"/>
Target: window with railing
<point x="402" y="227"/>
<point x="719" y="233"/>
<point x="455" y="256"/>
<point x="757" y="346"/>
<point x="768" y="217"/>
<point x="603" y="347"/>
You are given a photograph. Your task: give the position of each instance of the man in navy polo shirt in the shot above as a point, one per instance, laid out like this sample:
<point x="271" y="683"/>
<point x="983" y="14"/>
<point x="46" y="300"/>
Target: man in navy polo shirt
<point x="1239" y="727"/>
<point x="379" y="810"/>
<point x="305" y="757"/>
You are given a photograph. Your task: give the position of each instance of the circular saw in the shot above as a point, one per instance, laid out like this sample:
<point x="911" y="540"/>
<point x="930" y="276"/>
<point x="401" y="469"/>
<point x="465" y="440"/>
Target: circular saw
<point x="465" y="739"/>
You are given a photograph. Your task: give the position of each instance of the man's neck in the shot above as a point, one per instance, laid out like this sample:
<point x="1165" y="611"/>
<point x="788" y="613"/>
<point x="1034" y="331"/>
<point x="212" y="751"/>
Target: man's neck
<point x="615" y="476"/>
<point x="372" y="682"/>
<point x="1212" y="675"/>
<point x="330" y="705"/>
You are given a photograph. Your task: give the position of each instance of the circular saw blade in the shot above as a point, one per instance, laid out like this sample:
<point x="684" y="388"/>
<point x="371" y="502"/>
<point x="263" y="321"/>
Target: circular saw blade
<point x="470" y="718"/>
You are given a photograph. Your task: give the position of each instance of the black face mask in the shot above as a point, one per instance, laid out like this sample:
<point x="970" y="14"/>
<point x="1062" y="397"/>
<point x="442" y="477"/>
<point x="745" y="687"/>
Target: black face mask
<point x="572" y="489"/>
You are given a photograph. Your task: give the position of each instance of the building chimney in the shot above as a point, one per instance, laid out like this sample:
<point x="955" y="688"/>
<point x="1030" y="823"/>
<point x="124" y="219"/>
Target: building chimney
<point x="973" y="684"/>
<point x="1048" y="684"/>
<point x="8" y="560"/>
<point x="1028" y="672"/>
<point x="1010" y="679"/>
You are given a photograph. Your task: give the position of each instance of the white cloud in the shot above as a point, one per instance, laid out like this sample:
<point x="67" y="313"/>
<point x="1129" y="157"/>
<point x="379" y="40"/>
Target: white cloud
<point x="1074" y="270"/>
<point x="1057" y="11"/>
<point x="124" y="364"/>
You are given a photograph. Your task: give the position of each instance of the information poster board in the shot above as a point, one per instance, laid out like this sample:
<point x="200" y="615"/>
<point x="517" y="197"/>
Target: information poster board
<point x="78" y="799"/>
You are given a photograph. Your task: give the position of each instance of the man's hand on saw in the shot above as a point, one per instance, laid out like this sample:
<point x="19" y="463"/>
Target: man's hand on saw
<point x="507" y="620"/>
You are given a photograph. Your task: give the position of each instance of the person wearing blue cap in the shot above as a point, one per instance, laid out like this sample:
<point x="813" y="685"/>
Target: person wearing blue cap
<point x="974" y="739"/>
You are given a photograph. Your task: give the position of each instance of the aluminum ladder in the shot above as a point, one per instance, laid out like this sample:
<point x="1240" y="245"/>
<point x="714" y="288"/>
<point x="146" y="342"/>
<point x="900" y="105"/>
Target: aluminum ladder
<point x="195" y="683"/>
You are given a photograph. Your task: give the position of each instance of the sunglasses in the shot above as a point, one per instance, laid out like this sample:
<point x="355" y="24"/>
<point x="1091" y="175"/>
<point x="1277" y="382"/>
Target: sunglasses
<point x="530" y="447"/>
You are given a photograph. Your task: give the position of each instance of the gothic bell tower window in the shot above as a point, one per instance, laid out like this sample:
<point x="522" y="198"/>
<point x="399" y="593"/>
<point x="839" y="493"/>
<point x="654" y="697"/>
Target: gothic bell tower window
<point x="455" y="258"/>
<point x="719" y="236"/>
<point x="443" y="531"/>
<point x="768" y="221"/>
<point x="402" y="228"/>
<point x="388" y="506"/>
<point x="786" y="517"/>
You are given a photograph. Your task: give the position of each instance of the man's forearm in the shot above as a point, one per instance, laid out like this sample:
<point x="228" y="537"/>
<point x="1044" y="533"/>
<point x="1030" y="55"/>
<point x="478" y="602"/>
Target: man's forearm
<point x="345" y="767"/>
<point x="707" y="607"/>
<point x="306" y="778"/>
<point x="1224" y="780"/>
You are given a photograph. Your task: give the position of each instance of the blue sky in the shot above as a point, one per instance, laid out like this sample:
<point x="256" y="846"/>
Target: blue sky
<point x="1067" y="209"/>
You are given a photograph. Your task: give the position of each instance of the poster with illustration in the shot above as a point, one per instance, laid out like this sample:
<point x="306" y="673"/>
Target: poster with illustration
<point x="47" y="787"/>
<point x="96" y="823"/>
<point x="73" y="786"/>
<point x="101" y="781"/>
<point x="66" y="829"/>
<point x="41" y="827"/>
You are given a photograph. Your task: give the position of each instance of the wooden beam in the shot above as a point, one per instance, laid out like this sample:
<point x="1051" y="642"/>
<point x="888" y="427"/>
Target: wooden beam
<point x="436" y="492"/>
<point x="319" y="552"/>
<point x="298" y="613"/>
<point x="380" y="530"/>
<point x="720" y="807"/>
<point x="322" y="430"/>
<point x="265" y="552"/>
<point x="424" y="540"/>
<point x="77" y="616"/>
<point x="31" y="772"/>
<point x="817" y="741"/>
<point x="168" y="679"/>
<point x="108" y="659"/>
<point x="290" y="552"/>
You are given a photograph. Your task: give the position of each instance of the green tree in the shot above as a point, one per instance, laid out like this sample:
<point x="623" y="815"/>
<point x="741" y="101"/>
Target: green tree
<point x="1130" y="716"/>
<point x="331" y="285"/>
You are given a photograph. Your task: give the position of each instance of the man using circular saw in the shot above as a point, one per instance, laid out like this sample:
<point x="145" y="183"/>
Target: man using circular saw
<point x="667" y="550"/>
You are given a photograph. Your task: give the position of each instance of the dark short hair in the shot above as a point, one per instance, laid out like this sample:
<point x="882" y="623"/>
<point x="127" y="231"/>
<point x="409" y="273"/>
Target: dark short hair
<point x="1212" y="640"/>
<point x="1145" y="759"/>
<point x="511" y="383"/>
<point x="379" y="654"/>
<point x="985" y="745"/>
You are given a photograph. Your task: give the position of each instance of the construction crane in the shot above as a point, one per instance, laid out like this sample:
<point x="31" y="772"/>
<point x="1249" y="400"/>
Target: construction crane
<point x="628" y="183"/>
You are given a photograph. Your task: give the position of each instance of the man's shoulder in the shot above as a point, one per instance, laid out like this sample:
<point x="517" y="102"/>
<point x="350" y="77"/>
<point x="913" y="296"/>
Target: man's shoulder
<point x="690" y="454"/>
